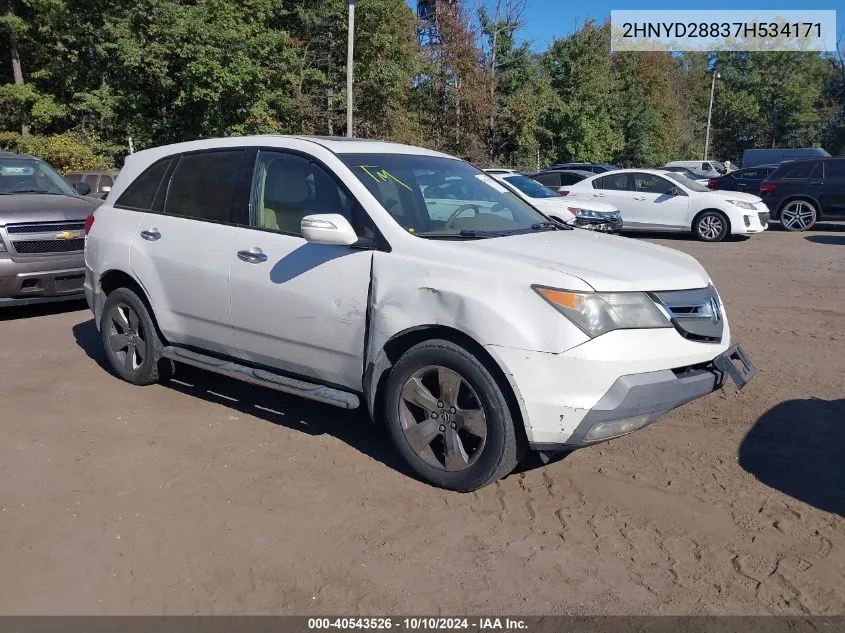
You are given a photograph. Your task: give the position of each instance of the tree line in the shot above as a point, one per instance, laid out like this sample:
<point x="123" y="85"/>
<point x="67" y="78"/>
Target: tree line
<point x="79" y="77"/>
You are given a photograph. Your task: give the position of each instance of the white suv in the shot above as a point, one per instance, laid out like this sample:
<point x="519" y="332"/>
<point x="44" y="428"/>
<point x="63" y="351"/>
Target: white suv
<point x="328" y="269"/>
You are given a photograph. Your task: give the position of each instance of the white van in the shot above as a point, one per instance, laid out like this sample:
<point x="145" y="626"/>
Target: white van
<point x="703" y="168"/>
<point x="326" y="268"/>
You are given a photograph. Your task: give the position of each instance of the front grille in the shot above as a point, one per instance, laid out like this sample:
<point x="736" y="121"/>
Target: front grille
<point x="49" y="246"/>
<point x="696" y="314"/>
<point x="44" y="227"/>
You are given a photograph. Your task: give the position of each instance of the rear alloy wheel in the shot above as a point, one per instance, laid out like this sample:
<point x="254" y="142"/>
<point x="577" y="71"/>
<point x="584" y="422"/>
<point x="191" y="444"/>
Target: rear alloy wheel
<point x="448" y="417"/>
<point x="711" y="226"/>
<point x="130" y="338"/>
<point x="798" y="215"/>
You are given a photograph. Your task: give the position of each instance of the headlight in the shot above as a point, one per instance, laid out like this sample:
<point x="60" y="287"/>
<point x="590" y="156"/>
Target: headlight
<point x="742" y="204"/>
<point x="599" y="312"/>
<point x="594" y="215"/>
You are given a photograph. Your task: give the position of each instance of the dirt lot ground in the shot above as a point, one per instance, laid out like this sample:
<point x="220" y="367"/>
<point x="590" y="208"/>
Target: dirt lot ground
<point x="204" y="495"/>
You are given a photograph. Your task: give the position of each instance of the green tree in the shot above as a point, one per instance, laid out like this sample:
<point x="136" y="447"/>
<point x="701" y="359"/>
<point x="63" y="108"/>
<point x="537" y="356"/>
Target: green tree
<point x="581" y="115"/>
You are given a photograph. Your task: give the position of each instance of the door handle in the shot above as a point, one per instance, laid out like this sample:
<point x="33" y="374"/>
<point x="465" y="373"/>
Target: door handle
<point x="817" y="182"/>
<point x="151" y="236"/>
<point x="639" y="197"/>
<point x="598" y="195"/>
<point x="253" y="256"/>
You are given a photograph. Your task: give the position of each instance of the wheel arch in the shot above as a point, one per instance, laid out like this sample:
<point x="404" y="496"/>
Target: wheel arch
<point x="378" y="369"/>
<point x="115" y="278"/>
<point x="714" y="210"/>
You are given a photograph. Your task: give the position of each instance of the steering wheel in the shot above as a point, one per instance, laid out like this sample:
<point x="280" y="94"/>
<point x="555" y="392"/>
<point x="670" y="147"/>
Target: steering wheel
<point x="458" y="212"/>
<point x="21" y="185"/>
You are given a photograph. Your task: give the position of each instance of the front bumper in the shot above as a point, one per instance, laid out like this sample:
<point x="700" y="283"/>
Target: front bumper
<point x="635" y="401"/>
<point x="41" y="280"/>
<point x="610" y="225"/>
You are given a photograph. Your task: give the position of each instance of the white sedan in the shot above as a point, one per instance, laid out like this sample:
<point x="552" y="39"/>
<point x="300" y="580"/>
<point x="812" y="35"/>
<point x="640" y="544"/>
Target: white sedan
<point x="588" y="214"/>
<point x="658" y="200"/>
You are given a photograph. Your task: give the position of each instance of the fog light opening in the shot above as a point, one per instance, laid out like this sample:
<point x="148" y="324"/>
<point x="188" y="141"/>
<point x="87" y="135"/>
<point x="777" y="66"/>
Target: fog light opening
<point x="616" y="428"/>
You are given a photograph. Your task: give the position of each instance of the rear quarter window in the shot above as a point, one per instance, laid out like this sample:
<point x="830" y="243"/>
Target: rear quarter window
<point x="141" y="193"/>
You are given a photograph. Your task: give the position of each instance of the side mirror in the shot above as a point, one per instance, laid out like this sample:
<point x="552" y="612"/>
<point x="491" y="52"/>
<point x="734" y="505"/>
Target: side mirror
<point x="328" y="228"/>
<point x="675" y="191"/>
<point x="105" y="189"/>
<point x="82" y="188"/>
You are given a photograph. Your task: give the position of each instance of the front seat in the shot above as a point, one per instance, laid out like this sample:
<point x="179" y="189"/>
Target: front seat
<point x="287" y="196"/>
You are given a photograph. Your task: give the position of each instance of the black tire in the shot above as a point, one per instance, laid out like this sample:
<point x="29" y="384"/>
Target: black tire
<point x="711" y="226"/>
<point x="798" y="215"/>
<point x="125" y="319"/>
<point x="492" y="457"/>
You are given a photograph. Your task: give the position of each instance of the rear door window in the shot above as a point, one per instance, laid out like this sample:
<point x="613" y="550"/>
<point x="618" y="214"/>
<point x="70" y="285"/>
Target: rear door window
<point x="204" y="184"/>
<point x="749" y="174"/>
<point x="91" y="181"/>
<point x="614" y="182"/>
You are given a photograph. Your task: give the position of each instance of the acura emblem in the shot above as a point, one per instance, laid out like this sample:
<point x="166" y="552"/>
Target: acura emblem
<point x="715" y="312"/>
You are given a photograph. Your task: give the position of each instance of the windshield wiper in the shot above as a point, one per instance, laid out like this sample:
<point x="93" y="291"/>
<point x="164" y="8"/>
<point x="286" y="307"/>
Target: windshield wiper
<point x="30" y="191"/>
<point x="465" y="233"/>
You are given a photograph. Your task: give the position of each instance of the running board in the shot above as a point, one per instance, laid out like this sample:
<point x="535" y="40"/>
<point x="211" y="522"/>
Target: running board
<point x="311" y="391"/>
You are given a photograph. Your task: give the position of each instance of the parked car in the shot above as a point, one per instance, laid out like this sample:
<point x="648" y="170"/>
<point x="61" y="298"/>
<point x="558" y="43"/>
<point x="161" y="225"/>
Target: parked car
<point x="319" y="267"/>
<point x="586" y="214"/>
<point x="595" y="168"/>
<point x="41" y="233"/>
<point x="560" y="179"/>
<point x="685" y="171"/>
<point x="799" y="193"/>
<point x="748" y="180"/>
<point x="757" y="157"/>
<point x="702" y="168"/>
<point x="99" y="182"/>
<point x="655" y="200"/>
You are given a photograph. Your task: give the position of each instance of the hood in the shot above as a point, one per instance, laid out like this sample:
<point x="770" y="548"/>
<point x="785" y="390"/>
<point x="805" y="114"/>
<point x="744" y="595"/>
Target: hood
<point x="36" y="207"/>
<point x="608" y="263"/>
<point x="733" y="195"/>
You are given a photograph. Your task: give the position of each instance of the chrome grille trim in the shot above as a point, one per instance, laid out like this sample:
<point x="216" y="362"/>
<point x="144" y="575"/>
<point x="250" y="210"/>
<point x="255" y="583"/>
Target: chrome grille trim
<point x="45" y="227"/>
<point x="695" y="314"/>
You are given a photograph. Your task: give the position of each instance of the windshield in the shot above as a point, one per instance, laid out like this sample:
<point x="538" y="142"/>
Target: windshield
<point x="28" y="175"/>
<point x="692" y="185"/>
<point x="530" y="187"/>
<point x="431" y="196"/>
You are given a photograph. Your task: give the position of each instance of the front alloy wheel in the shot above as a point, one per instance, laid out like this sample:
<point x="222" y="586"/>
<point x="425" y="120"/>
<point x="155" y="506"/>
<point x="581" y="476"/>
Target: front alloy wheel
<point x="711" y="226"/>
<point x="447" y="430"/>
<point x="448" y="417"/>
<point x="798" y="215"/>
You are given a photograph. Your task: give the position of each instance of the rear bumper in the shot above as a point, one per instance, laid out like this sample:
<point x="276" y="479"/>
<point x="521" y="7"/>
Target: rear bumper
<point x="41" y="280"/>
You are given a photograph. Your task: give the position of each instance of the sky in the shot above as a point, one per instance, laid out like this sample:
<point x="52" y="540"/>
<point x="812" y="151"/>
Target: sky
<point x="548" y="19"/>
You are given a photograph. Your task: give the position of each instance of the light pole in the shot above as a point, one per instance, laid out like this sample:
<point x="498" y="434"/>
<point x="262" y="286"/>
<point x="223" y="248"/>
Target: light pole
<point x="716" y="76"/>
<point x="349" y="49"/>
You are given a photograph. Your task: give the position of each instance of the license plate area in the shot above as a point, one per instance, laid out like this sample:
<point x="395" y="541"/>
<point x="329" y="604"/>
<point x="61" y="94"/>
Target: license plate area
<point x="736" y="364"/>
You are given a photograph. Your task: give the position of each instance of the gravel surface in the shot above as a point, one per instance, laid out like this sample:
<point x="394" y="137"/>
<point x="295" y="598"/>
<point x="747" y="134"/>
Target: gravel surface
<point x="205" y="495"/>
